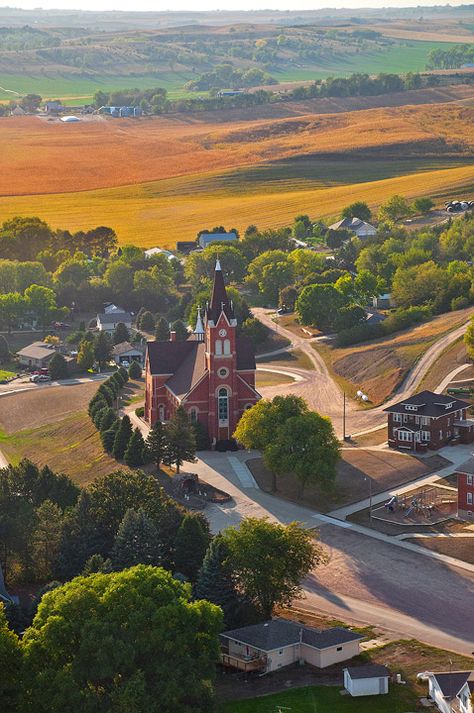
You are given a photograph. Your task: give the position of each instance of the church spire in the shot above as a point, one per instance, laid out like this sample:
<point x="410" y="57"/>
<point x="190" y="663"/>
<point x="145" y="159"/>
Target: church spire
<point x="219" y="300"/>
<point x="199" y="329"/>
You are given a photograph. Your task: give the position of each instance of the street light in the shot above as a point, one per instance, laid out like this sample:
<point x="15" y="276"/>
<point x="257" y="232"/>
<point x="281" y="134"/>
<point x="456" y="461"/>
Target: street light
<point x="370" y="495"/>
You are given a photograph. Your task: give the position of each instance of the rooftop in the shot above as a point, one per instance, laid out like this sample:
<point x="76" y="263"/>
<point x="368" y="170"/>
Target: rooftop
<point x="451" y="683"/>
<point x="124" y="348"/>
<point x="37" y="350"/>
<point x="428" y="404"/>
<point x="370" y="670"/>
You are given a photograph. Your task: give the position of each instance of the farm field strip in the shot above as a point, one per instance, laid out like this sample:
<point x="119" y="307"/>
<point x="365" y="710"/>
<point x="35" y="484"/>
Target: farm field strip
<point x="140" y="215"/>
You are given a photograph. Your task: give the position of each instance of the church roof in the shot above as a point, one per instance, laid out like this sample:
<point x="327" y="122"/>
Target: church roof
<point x="245" y="354"/>
<point x="165" y="356"/>
<point x="219" y="299"/>
<point x="189" y="372"/>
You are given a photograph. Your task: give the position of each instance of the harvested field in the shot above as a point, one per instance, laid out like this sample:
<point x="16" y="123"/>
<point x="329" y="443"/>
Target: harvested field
<point x="70" y="446"/>
<point x="43" y="405"/>
<point x="380" y="366"/>
<point x="384" y="468"/>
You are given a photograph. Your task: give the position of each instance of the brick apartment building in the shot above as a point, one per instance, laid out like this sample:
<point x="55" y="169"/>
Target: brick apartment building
<point x="465" y="473"/>
<point x="429" y="421"/>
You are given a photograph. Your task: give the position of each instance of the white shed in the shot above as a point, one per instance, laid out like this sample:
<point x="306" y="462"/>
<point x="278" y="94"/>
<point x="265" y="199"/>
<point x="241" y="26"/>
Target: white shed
<point x="368" y="680"/>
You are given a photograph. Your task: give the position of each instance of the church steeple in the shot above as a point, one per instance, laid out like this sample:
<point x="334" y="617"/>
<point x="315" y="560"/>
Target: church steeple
<point x="219" y="299"/>
<point x="199" y="329"/>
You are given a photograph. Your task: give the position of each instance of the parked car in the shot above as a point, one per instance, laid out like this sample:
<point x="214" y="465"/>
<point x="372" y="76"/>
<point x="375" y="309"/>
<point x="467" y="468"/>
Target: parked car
<point x="39" y="378"/>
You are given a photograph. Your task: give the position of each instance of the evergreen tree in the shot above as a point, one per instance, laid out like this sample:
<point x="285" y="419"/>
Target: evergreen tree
<point x="137" y="541"/>
<point x="155" y="443"/>
<point x="58" y="367"/>
<point x="135" y="370"/>
<point x="11" y="663"/>
<point x="181" y="331"/>
<point x="121" y="334"/>
<point x="85" y="355"/>
<point x="107" y="418"/>
<point x="123" y="373"/>
<point x="147" y="321"/>
<point x="122" y="438"/>
<point x="108" y="437"/>
<point x="96" y="402"/>
<point x="215" y="583"/>
<point x="162" y="330"/>
<point x="102" y="349"/>
<point x="180" y="441"/>
<point x="191" y="543"/>
<point x="4" y="350"/>
<point x="134" y="452"/>
<point x="97" y="563"/>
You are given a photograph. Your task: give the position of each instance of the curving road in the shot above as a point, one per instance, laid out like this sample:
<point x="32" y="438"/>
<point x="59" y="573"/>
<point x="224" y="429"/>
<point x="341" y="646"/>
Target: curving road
<point x="324" y="395"/>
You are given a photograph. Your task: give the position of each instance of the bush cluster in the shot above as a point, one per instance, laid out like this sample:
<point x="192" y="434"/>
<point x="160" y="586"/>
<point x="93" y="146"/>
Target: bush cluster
<point x="395" y="322"/>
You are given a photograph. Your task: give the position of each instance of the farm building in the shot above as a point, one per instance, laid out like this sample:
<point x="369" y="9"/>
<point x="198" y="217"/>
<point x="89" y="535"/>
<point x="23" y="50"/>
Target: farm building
<point x="355" y="225"/>
<point x="429" y="421"/>
<point x="186" y="246"/>
<point x="120" y="112"/>
<point x="206" y="239"/>
<point x="125" y="353"/>
<point x="279" y="643"/>
<point x="368" y="680"/>
<point x="160" y="251"/>
<point x="53" y="107"/>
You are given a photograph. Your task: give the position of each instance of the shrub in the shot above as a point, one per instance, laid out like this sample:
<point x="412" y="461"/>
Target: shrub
<point x="105" y="418"/>
<point x="123" y="373"/>
<point x="107" y="393"/>
<point x="108" y="437"/>
<point x="140" y="411"/>
<point x="202" y="436"/>
<point x="135" y="370"/>
<point x="459" y="303"/>
<point x="58" y="367"/>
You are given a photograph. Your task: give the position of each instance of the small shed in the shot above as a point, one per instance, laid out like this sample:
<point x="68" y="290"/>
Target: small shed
<point x="369" y="680"/>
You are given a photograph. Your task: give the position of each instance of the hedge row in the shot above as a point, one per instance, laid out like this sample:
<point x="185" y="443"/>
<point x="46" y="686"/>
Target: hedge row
<point x="395" y="322"/>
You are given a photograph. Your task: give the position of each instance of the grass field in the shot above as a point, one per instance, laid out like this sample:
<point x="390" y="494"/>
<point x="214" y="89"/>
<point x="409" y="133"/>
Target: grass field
<point x="325" y="699"/>
<point x="380" y="366"/>
<point x="268" y="378"/>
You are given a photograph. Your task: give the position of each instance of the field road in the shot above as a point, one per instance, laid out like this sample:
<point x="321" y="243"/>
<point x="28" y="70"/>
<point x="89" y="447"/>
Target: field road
<point x="325" y="396"/>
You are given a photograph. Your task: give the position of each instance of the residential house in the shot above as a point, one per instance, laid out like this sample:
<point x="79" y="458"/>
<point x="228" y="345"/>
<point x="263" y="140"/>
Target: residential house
<point x="278" y="643"/>
<point x="211" y="374"/>
<point x="367" y="680"/>
<point x="53" y="106"/>
<point x="125" y="353"/>
<point x="38" y="355"/>
<point x="429" y="421"/>
<point x="206" y="239"/>
<point x="452" y="691"/>
<point x="109" y="307"/>
<point x="383" y="301"/>
<point x="465" y="473"/>
<point x="355" y="225"/>
<point x="107" y="321"/>
<point x="186" y="246"/>
<point x="374" y="317"/>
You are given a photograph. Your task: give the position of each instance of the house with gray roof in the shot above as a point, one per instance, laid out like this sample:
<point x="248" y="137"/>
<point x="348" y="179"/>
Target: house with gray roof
<point x="278" y="643"/>
<point x="107" y="321"/>
<point x="206" y="239"/>
<point x="355" y="225"/>
<point x="370" y="679"/>
<point x="125" y="353"/>
<point x="451" y="691"/>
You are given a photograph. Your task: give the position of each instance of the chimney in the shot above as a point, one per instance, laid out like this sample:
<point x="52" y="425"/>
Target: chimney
<point x="172" y="336"/>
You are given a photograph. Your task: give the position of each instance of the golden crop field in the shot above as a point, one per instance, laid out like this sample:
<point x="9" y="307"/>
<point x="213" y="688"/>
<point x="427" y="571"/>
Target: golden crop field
<point x="163" y="179"/>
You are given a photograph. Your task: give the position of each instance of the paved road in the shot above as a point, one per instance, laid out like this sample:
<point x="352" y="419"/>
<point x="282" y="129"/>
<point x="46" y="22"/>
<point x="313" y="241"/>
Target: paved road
<point x="325" y="396"/>
<point x="367" y="580"/>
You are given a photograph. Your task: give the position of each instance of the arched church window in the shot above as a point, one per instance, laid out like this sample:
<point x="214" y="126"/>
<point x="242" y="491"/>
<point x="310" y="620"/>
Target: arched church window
<point x="218" y="347"/>
<point x="223" y="405"/>
<point x="161" y="412"/>
<point x="226" y="346"/>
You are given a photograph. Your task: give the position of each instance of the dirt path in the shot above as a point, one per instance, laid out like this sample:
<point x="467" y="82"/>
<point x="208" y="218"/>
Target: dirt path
<point x="325" y="396"/>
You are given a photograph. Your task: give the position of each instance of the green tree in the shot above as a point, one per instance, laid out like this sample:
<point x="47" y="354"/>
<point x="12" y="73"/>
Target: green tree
<point x="215" y="583"/>
<point x="395" y="208"/>
<point x="11" y="666"/>
<point x="307" y="446"/>
<point x="255" y="330"/>
<point x="133" y="456"/>
<point x="108" y="437"/>
<point x="359" y="209"/>
<point x="97" y="563"/>
<point x="423" y="205"/>
<point x="85" y="355"/>
<point x="135" y="370"/>
<point x="270" y="272"/>
<point x="106" y="642"/>
<point x="121" y="334"/>
<point x="122" y="438"/>
<point x="269" y="561"/>
<point x="107" y="419"/>
<point x="12" y="307"/>
<point x="418" y="284"/>
<point x="201" y="265"/>
<point x="147" y="322"/>
<point x="102" y="349"/>
<point x="4" y="350"/>
<point x="469" y="339"/>
<point x="41" y="301"/>
<point x="181" y="331"/>
<point x="155" y="443"/>
<point x="180" y="440"/>
<point x="58" y="368"/>
<point x="319" y="304"/>
<point x="192" y="541"/>
<point x="137" y="541"/>
<point x="162" y="330"/>
<point x="46" y="538"/>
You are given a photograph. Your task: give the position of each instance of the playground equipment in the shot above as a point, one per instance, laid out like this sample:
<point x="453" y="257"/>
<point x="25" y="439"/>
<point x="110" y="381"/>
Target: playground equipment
<point x="421" y="502"/>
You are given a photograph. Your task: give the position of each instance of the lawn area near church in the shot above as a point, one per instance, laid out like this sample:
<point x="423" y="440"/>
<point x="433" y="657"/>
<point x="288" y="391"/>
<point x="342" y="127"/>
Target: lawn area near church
<point x="325" y="699"/>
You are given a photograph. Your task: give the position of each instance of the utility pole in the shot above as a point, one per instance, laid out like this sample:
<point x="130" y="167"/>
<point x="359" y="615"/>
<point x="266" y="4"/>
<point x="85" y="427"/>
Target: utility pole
<point x="344" y="416"/>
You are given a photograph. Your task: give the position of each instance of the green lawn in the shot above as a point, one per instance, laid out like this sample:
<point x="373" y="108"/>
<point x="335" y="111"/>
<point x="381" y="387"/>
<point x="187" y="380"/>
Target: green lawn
<point x="325" y="699"/>
<point x="4" y="374"/>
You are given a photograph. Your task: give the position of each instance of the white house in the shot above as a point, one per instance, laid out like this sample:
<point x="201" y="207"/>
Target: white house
<point x="107" y="321"/>
<point x="278" y="643"/>
<point x="126" y="353"/>
<point x="368" y="680"/>
<point x="110" y="307"/>
<point x="151" y="252"/>
<point x="452" y="691"/>
<point x="355" y="225"/>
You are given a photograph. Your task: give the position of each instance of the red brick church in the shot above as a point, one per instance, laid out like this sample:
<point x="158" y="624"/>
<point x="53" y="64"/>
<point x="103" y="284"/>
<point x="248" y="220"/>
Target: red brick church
<point x="211" y="374"/>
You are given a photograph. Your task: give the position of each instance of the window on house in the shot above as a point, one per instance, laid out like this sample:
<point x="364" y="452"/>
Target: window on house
<point x="280" y="652"/>
<point x="397" y="417"/>
<point x="226" y="347"/>
<point x="469" y="479"/>
<point x="218" y="347"/>
<point x="161" y="412"/>
<point x="405" y="418"/>
<point x="425" y="435"/>
<point x="193" y="415"/>
<point x="441" y="434"/>
<point x="469" y="498"/>
<point x="405" y="435"/>
<point x="223" y="405"/>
